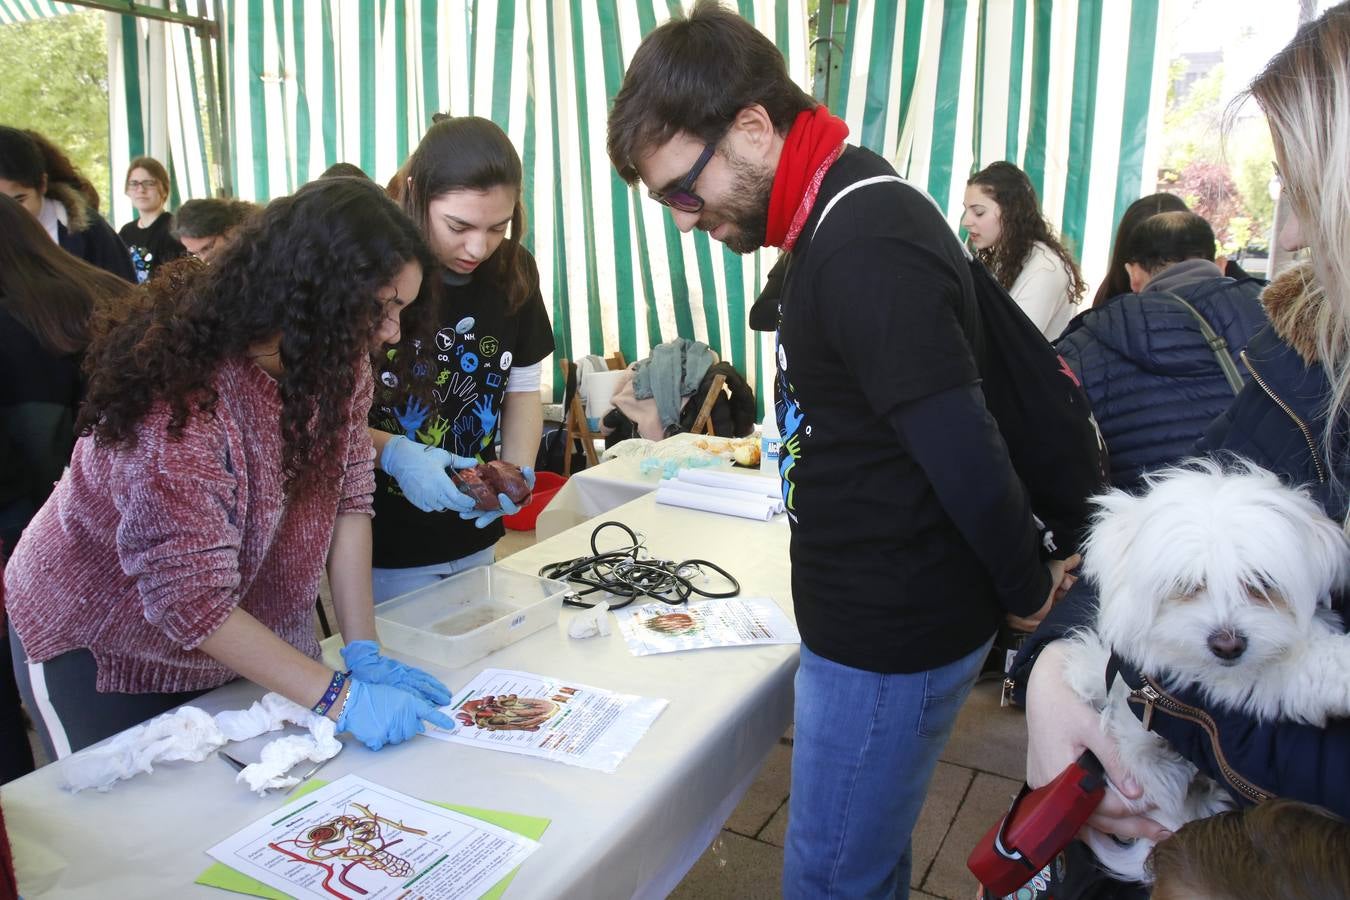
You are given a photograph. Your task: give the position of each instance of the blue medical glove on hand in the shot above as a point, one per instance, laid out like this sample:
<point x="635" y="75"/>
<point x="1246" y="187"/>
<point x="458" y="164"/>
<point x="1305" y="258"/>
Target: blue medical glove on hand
<point x="379" y="714"/>
<point x="420" y="473"/>
<point x="366" y="662"/>
<point x="483" y="518"/>
<point x="529" y="476"/>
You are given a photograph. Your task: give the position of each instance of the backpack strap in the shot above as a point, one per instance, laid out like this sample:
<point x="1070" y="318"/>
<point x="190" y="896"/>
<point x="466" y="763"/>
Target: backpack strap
<point x="1217" y="345"/>
<point x="879" y="179"/>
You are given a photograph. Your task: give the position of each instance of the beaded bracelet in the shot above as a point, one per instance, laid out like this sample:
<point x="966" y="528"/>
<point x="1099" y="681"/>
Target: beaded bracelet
<point x="330" y="696"/>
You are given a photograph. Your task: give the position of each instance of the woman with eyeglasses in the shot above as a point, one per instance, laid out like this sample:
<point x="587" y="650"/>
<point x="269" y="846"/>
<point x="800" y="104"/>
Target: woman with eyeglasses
<point x="151" y="237"/>
<point x="43" y="180"/>
<point x="479" y="372"/>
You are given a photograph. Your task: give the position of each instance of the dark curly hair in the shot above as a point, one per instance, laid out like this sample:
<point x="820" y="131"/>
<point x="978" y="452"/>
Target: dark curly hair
<point x="1021" y="225"/>
<point x="309" y="268"/>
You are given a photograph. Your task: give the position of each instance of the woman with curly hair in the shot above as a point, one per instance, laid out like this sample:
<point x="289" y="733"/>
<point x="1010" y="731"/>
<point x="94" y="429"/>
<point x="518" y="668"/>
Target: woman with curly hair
<point x="223" y="457"/>
<point x="36" y="173"/>
<point x="480" y="371"/>
<point x="1010" y="235"/>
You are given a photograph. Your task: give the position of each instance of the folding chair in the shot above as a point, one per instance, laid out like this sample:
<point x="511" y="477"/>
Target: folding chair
<point x="703" y="423"/>
<point x="577" y="425"/>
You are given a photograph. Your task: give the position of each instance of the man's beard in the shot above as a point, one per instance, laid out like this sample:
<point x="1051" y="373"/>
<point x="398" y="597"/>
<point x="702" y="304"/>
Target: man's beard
<point x="746" y="208"/>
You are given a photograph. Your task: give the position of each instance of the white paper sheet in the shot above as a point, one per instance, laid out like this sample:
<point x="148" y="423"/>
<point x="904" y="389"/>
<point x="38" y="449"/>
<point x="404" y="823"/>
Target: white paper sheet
<point x="353" y="838"/>
<point x="730" y="622"/>
<point x="550" y="718"/>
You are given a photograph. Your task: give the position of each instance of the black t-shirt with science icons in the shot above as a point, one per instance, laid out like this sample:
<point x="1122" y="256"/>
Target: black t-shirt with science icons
<point x="476" y="346"/>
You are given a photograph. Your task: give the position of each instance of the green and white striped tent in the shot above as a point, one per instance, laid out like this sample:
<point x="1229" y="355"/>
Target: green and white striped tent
<point x="1069" y="89"/>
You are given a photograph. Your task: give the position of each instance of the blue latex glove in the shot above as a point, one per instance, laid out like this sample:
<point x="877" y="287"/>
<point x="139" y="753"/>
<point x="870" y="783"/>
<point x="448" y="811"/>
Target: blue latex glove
<point x="379" y="714"/>
<point x="366" y="662"/>
<point x="420" y="473"/>
<point x="483" y="518"/>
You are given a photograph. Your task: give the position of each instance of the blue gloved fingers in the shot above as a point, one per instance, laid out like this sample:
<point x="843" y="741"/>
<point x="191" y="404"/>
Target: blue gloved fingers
<point x="440" y="720"/>
<point x="427" y="685"/>
<point x="529" y="476"/>
<point x="482" y="518"/>
<point x="457" y="500"/>
<point x="461" y="462"/>
<point x="420" y="473"/>
<point x="378" y="714"/>
<point x="358" y="652"/>
<point x="366" y="663"/>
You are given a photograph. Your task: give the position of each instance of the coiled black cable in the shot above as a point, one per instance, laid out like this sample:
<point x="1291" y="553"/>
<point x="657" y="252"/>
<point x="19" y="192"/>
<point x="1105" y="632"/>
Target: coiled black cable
<point x="627" y="572"/>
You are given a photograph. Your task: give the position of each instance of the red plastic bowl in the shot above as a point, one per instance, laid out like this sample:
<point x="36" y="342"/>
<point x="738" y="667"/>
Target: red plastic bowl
<point x="546" y="484"/>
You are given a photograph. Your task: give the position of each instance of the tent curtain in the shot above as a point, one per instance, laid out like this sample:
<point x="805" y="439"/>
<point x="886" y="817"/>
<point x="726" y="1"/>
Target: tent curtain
<point x="1071" y="90"/>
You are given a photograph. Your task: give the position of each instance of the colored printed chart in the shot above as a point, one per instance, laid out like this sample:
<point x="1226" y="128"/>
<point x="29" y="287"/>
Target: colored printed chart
<point x="354" y="839"/>
<point x="546" y="717"/>
<point x="732" y="622"/>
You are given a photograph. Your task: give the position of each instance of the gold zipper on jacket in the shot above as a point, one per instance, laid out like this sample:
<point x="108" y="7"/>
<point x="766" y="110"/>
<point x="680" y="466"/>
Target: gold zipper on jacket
<point x="1302" y="426"/>
<point x="1152" y="696"/>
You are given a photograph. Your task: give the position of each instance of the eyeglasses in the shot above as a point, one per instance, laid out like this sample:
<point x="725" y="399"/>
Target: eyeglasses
<point x="142" y="185"/>
<point x="682" y="196"/>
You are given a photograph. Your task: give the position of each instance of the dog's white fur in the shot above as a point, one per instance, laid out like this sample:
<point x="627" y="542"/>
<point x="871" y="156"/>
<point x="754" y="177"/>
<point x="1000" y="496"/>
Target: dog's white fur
<point x="1209" y="552"/>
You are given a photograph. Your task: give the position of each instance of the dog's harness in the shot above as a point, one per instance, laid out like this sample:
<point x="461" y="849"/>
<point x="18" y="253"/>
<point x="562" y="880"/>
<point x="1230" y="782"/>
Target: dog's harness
<point x="1147" y="695"/>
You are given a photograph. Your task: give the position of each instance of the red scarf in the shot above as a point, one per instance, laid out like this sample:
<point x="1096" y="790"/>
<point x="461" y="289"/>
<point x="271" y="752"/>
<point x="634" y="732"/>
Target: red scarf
<point x="813" y="144"/>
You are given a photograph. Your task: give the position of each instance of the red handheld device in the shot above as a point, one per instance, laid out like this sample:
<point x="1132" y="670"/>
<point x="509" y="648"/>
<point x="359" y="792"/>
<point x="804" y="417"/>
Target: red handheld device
<point x="1038" y="826"/>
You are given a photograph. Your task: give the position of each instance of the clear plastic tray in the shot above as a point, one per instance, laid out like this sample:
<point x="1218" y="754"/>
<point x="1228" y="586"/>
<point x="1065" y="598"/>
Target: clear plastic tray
<point x="467" y="616"/>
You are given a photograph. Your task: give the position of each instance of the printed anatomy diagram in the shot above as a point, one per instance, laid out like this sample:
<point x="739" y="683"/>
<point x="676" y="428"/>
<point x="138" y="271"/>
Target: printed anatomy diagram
<point x="347" y="841"/>
<point x="508" y="712"/>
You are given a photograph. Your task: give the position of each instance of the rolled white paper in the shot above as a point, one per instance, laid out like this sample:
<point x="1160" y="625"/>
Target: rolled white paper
<point x="669" y="494"/>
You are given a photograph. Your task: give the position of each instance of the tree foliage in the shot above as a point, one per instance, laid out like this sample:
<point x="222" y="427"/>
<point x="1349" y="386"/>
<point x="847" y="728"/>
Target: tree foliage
<point x="54" y="79"/>
<point x="1218" y="160"/>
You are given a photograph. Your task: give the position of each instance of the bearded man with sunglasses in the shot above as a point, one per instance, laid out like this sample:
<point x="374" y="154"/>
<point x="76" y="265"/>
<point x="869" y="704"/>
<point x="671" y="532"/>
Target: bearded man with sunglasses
<point x="911" y="534"/>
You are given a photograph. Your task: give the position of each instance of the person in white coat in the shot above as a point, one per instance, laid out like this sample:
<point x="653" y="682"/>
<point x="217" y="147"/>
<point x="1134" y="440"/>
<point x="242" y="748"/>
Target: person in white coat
<point x="1008" y="233"/>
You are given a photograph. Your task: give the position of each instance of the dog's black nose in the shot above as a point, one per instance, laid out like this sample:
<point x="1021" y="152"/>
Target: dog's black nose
<point x="1227" y="644"/>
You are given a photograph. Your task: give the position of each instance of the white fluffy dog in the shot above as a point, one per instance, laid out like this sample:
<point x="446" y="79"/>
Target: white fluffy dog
<point x="1217" y="576"/>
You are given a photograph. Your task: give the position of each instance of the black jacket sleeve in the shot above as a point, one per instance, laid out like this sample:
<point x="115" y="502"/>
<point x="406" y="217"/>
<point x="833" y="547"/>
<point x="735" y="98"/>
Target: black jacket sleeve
<point x="100" y="246"/>
<point x="954" y="439"/>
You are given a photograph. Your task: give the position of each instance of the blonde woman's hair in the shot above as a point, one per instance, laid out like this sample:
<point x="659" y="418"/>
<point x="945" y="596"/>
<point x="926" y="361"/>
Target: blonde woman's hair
<point x="1305" y="93"/>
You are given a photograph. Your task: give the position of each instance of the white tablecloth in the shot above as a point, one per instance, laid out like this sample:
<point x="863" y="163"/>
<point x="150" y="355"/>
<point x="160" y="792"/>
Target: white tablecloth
<point x="633" y="833"/>
<point x="598" y="489"/>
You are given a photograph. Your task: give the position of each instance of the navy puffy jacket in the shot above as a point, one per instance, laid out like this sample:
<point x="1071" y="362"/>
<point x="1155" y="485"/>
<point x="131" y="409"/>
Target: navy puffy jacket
<point x="1153" y="381"/>
<point x="1273" y="422"/>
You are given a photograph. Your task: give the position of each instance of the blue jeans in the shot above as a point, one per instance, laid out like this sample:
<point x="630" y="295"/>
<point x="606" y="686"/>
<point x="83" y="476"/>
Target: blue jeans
<point x="391" y="583"/>
<point x="864" y="749"/>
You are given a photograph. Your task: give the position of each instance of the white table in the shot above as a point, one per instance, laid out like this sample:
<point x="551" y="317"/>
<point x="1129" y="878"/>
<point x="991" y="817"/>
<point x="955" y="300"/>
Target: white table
<point x="633" y="833"/>
<point x="596" y="490"/>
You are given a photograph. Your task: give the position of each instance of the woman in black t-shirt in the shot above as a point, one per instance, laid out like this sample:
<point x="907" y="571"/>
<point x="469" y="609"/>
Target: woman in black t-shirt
<point x="447" y="398"/>
<point x="150" y="238"/>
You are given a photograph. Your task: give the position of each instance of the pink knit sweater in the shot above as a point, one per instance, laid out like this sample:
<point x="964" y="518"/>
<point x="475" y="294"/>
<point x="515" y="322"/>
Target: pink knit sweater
<point x="140" y="554"/>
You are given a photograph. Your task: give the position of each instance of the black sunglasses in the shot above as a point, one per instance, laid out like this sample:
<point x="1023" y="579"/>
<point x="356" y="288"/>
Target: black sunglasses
<point x="682" y="196"/>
